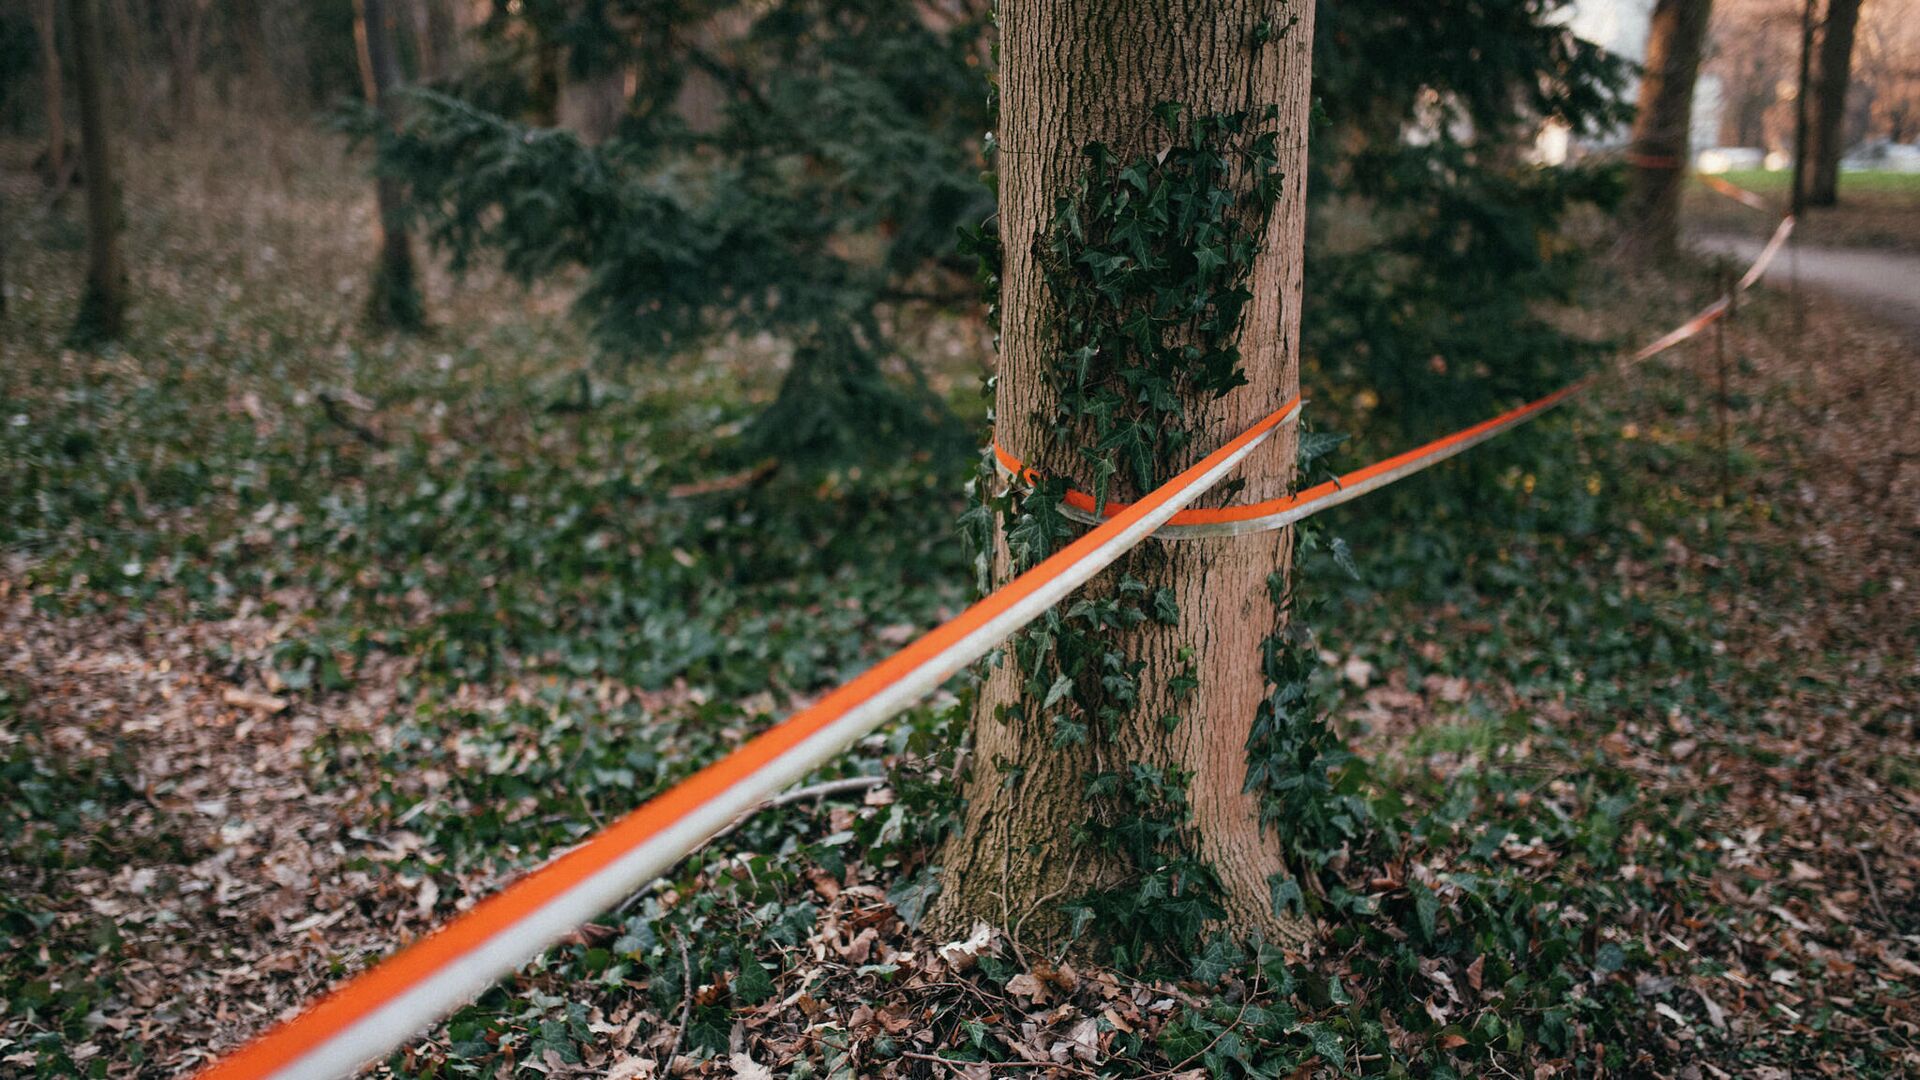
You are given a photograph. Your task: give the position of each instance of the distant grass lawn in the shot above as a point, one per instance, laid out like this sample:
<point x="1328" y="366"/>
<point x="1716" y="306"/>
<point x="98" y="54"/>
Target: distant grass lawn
<point x="1766" y="182"/>
<point x="1877" y="209"/>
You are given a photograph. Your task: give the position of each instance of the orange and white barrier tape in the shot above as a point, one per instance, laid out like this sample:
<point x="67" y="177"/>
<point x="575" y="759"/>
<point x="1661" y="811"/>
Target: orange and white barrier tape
<point x="384" y="1006"/>
<point x="1279" y="513"/>
<point x="1733" y="191"/>
<point x="1780" y="233"/>
<point x="381" y="1008"/>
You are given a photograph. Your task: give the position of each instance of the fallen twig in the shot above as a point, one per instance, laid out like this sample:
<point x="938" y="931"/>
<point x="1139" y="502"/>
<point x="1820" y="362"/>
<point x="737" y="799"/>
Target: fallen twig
<point x="686" y="1007"/>
<point x="730" y="482"/>
<point x="332" y="406"/>
<point x="1873" y="891"/>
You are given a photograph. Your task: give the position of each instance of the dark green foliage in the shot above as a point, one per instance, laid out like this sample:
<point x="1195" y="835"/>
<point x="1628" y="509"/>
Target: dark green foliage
<point x="19" y="69"/>
<point x="1158" y="915"/>
<point x="841" y="165"/>
<point x="832" y="184"/>
<point x="1300" y="767"/>
<point x="1429" y="254"/>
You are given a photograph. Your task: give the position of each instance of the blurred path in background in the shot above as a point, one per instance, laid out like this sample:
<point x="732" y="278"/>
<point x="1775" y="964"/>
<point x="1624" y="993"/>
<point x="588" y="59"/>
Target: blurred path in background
<point x="1886" y="283"/>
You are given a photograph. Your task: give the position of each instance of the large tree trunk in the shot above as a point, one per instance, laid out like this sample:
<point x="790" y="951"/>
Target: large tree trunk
<point x="1676" y="36"/>
<point x="1074" y="72"/>
<point x="103" y="303"/>
<point x="46" y="25"/>
<point x="395" y="301"/>
<point x="1827" y="133"/>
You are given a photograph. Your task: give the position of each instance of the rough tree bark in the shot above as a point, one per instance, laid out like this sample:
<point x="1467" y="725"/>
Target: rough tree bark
<point x="103" y="302"/>
<point x="1827" y="134"/>
<point x="46" y="26"/>
<point x="395" y="301"/>
<point x="1074" y="72"/>
<point x="1676" y="36"/>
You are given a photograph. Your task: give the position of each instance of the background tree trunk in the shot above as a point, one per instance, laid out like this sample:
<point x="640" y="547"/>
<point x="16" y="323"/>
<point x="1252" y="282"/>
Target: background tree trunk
<point x="186" y="25"/>
<point x="103" y="303"/>
<point x="1802" y="115"/>
<point x="396" y="294"/>
<point x="46" y="24"/>
<point x="1073" y="72"/>
<point x="1676" y="36"/>
<point x="591" y="105"/>
<point x="1827" y="134"/>
<point x="126" y="36"/>
<point x="4" y="227"/>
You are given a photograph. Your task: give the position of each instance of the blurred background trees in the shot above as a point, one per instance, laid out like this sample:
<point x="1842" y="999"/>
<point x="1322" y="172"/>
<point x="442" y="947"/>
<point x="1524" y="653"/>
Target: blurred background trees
<point x="800" y="168"/>
<point x="1866" y="68"/>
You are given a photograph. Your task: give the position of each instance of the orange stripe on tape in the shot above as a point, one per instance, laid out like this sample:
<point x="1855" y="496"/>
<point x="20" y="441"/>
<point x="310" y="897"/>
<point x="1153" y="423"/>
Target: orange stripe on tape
<point x="1285" y="506"/>
<point x="1733" y="191"/>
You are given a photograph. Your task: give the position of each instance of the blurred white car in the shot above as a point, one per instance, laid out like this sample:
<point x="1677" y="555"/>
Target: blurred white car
<point x="1721" y="159"/>
<point x="1882" y="155"/>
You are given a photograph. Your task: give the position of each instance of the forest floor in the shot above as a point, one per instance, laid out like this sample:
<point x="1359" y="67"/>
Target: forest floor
<point x="311" y="636"/>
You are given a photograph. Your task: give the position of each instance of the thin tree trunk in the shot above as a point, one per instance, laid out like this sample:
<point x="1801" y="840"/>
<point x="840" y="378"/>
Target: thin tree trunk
<point x="546" y="79"/>
<point x="440" y="39"/>
<point x="46" y="24"/>
<point x="1801" y="114"/>
<point x="103" y="304"/>
<point x="130" y="90"/>
<point x="186" y="22"/>
<point x="1676" y="36"/>
<point x="1074" y="72"/>
<point x="591" y="105"/>
<point x="426" y="50"/>
<point x="5" y="228"/>
<point x="1828" y="130"/>
<point x="396" y="296"/>
<point x="259" y="74"/>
